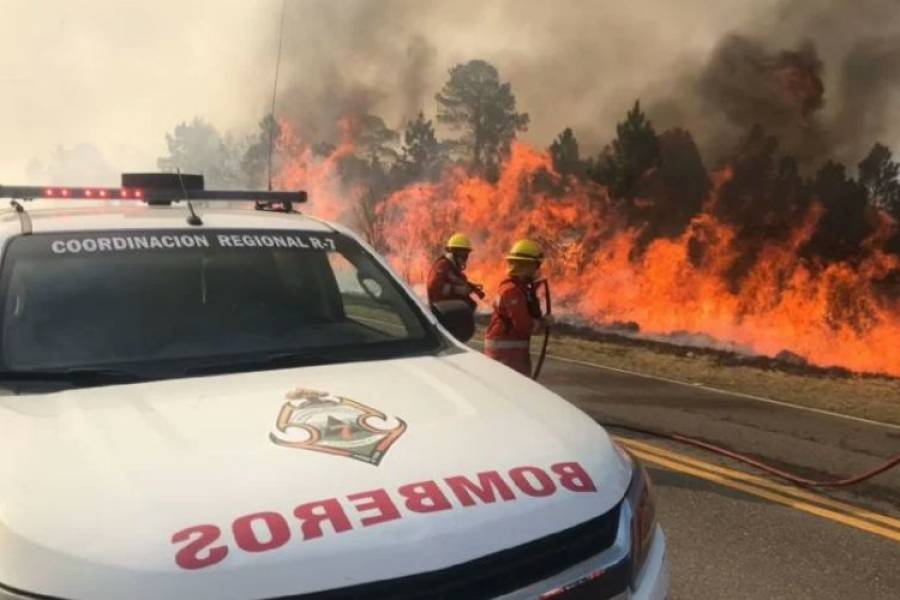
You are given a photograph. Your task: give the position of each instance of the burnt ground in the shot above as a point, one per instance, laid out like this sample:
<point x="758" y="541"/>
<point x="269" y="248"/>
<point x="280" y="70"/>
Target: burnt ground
<point x="629" y="335"/>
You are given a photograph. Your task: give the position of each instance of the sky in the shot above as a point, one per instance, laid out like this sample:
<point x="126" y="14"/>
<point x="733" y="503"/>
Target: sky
<point x="117" y="75"/>
<point x="93" y="86"/>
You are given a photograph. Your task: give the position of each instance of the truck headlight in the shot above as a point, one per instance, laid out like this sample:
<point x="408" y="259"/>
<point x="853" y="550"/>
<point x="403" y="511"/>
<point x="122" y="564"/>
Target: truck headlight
<point x="643" y="517"/>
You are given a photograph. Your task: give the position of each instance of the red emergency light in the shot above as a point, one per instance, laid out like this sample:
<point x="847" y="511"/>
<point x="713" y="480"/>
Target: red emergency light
<point x="154" y="189"/>
<point x="149" y="195"/>
<point x="33" y="193"/>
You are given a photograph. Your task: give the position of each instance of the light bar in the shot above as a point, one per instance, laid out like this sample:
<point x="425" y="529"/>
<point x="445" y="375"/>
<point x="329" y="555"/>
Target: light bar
<point x="149" y="195"/>
<point x="70" y="193"/>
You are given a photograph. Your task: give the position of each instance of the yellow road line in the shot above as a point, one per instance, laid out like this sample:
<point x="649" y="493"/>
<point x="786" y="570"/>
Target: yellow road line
<point x="753" y="490"/>
<point x="762" y="482"/>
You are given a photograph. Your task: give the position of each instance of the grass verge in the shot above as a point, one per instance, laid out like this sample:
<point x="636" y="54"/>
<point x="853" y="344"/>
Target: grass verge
<point x="866" y="396"/>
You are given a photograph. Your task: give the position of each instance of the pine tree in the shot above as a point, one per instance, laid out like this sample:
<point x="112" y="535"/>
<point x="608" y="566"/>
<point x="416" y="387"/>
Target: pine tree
<point x="878" y="173"/>
<point x="634" y="151"/>
<point x="565" y="154"/>
<point x="422" y="155"/>
<point x="474" y="102"/>
<point x="255" y="162"/>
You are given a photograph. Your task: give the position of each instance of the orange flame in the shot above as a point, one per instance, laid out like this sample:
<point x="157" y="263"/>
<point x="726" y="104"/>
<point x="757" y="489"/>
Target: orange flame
<point x="318" y="175"/>
<point x="830" y="314"/>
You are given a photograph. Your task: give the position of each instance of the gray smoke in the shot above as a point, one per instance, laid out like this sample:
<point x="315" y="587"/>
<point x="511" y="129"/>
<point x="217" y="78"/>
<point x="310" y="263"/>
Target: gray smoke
<point x="869" y="99"/>
<point x="350" y="59"/>
<point x="571" y="62"/>
<point x="745" y="83"/>
<point x="82" y="164"/>
<point x="120" y="74"/>
<point x="822" y="76"/>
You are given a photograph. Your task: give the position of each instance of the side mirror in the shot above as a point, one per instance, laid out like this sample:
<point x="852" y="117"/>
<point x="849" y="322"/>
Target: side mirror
<point x="457" y="317"/>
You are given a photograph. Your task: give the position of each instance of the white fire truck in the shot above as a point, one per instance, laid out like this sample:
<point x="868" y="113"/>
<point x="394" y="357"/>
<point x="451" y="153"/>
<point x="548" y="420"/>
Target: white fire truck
<point x="246" y="403"/>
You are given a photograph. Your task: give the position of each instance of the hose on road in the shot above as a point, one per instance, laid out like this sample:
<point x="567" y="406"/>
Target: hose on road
<point x="736" y="456"/>
<point x="779" y="473"/>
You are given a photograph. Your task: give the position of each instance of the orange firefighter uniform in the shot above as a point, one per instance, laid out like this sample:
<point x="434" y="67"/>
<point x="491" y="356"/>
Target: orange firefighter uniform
<point x="446" y="280"/>
<point x="517" y="311"/>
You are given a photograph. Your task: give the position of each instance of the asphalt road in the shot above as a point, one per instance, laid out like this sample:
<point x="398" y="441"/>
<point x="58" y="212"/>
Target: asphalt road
<point x="732" y="533"/>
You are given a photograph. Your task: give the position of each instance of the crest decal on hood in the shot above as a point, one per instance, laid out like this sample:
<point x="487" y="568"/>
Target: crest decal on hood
<point x="319" y="421"/>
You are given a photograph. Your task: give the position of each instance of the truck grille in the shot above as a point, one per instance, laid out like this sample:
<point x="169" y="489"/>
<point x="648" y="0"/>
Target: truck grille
<point x="504" y="572"/>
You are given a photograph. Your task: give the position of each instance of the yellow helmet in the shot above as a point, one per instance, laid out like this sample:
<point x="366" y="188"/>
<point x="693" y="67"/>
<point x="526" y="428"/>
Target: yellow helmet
<point x="459" y="241"/>
<point x="526" y="250"/>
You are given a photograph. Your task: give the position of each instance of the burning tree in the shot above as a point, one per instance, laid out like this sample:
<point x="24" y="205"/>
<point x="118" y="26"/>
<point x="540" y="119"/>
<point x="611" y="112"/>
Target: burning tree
<point x="762" y="252"/>
<point x="674" y="192"/>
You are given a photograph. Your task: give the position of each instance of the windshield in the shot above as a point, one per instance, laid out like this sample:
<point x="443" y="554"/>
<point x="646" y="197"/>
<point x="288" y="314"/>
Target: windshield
<point x="163" y="304"/>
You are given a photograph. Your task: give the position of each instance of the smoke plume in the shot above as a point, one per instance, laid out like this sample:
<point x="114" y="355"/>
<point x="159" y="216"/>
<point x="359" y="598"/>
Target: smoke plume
<point x="820" y="76"/>
<point x="571" y="63"/>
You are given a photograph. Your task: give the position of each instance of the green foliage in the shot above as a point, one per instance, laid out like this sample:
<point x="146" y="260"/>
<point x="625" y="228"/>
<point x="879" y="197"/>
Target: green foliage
<point x="422" y="155"/>
<point x="255" y="162"/>
<point x="565" y="155"/>
<point x="475" y="103"/>
<point x="634" y="152"/>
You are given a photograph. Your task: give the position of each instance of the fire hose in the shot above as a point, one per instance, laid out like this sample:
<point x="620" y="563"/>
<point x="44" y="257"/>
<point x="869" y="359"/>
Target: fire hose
<point x="706" y="446"/>
<point x="548" y="310"/>
<point x="786" y="476"/>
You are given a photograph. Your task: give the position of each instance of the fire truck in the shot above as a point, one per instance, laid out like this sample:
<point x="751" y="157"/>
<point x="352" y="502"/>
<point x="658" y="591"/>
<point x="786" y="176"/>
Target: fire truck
<point x="210" y="395"/>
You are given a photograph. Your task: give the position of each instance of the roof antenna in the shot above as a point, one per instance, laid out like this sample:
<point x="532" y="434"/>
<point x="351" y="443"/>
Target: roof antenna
<point x="193" y="219"/>
<point x="274" y="93"/>
<point x="24" y="219"/>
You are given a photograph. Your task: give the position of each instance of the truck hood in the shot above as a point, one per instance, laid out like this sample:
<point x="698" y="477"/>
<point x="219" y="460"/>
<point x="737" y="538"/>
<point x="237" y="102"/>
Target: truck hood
<point x="190" y="488"/>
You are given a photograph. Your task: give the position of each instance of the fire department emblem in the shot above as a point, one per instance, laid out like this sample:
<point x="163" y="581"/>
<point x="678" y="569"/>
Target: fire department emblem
<point x="318" y="421"/>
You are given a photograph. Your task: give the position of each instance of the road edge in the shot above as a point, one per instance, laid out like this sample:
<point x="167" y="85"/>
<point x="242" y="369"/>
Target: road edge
<point x="701" y="386"/>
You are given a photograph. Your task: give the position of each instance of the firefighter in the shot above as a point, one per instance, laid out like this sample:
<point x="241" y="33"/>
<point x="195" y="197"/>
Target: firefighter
<point x="517" y="310"/>
<point x="447" y="280"/>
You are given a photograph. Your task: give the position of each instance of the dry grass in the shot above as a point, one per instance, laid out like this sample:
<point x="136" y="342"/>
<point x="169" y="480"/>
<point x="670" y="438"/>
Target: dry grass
<point x="869" y="397"/>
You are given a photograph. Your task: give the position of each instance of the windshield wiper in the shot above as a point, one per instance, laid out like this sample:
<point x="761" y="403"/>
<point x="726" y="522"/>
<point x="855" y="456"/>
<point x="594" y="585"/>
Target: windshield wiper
<point x="77" y="377"/>
<point x="277" y="360"/>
